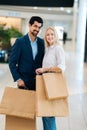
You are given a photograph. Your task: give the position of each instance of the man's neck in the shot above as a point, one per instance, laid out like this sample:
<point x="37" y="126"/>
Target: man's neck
<point x="32" y="37"/>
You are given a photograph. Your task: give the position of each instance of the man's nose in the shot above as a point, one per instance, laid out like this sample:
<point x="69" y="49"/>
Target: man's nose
<point x="37" y="28"/>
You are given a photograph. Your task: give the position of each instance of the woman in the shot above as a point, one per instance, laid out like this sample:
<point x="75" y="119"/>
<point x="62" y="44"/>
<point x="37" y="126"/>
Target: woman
<point x="53" y="61"/>
<point x="54" y="58"/>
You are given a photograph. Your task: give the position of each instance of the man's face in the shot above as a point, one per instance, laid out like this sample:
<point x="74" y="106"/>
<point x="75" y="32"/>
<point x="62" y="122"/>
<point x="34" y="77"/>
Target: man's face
<point x="35" y="28"/>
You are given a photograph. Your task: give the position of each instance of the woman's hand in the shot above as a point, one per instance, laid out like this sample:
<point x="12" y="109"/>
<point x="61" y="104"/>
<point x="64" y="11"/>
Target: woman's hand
<point x="39" y="71"/>
<point x="50" y="69"/>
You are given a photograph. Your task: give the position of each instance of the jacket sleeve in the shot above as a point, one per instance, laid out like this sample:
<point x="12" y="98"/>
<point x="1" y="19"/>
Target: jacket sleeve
<point x="14" y="59"/>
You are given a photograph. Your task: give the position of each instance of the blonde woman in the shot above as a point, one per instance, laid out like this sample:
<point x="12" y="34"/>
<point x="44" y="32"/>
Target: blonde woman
<point x="54" y="58"/>
<point x="53" y="61"/>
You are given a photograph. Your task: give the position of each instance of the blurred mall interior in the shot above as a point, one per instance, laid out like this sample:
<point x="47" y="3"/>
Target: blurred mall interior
<point x="73" y="21"/>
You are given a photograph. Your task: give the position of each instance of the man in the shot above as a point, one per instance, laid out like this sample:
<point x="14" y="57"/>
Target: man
<point x="26" y="56"/>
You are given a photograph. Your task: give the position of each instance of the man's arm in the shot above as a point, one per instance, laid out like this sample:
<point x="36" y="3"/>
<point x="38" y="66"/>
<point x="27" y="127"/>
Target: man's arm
<point x="14" y="59"/>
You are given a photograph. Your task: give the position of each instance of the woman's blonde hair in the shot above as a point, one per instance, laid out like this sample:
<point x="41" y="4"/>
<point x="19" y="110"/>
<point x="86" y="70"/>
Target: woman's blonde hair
<point x="56" y="41"/>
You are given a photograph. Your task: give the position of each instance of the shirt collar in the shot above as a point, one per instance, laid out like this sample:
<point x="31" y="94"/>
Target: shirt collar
<point x="31" y="40"/>
<point x="52" y="46"/>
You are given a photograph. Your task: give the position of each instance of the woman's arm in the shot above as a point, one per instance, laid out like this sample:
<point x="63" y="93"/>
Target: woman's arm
<point x="50" y="69"/>
<point x="60" y="58"/>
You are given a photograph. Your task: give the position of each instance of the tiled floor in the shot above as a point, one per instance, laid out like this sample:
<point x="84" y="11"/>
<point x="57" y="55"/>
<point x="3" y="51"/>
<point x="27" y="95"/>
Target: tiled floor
<point x="76" y="77"/>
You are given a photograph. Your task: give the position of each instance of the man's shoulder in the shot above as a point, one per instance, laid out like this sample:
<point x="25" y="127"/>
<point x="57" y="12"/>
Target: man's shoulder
<point x="40" y="39"/>
<point x="22" y="37"/>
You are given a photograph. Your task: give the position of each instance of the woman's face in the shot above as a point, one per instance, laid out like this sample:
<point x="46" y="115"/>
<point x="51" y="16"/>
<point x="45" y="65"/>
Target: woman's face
<point x="50" y="37"/>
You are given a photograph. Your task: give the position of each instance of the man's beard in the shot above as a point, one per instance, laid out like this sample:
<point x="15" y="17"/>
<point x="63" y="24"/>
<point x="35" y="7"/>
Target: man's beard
<point x="34" y="33"/>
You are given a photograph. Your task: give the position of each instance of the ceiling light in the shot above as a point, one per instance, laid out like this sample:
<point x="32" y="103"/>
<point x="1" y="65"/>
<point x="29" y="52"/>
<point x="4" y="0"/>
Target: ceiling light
<point x="68" y="11"/>
<point x="61" y="8"/>
<point x="35" y="7"/>
<point x="49" y="8"/>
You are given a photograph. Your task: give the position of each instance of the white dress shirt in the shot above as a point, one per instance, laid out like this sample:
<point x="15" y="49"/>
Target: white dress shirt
<point x="54" y="56"/>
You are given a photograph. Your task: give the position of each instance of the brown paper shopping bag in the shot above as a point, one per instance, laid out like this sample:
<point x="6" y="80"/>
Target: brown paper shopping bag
<point x="19" y="107"/>
<point x="55" y="85"/>
<point x="18" y="123"/>
<point x="18" y="102"/>
<point x="45" y="107"/>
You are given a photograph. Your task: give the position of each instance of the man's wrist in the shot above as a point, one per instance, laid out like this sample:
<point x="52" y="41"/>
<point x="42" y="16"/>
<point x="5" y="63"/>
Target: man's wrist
<point x="18" y="79"/>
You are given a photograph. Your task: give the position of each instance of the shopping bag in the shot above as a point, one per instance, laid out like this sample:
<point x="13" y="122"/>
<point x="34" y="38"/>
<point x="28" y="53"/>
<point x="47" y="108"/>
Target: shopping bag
<point x="55" y="85"/>
<point x="45" y="107"/>
<point x="18" y="102"/>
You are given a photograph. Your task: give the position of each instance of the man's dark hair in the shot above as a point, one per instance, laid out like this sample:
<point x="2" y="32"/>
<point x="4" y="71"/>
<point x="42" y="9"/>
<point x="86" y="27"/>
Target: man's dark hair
<point x="35" y="18"/>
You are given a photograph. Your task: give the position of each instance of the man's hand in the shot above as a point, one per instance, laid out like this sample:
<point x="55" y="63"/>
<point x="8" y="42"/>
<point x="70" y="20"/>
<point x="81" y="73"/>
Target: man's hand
<point x="21" y="83"/>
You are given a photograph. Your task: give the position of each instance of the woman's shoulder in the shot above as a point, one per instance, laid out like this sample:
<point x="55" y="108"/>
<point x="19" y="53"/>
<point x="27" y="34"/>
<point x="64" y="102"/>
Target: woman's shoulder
<point x="59" y="47"/>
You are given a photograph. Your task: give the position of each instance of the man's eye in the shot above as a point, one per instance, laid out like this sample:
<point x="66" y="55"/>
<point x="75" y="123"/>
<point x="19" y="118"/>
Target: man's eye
<point x="37" y="26"/>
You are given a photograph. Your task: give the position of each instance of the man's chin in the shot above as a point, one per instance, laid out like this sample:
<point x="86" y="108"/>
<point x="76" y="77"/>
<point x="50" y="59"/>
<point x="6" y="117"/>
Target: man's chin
<point x="35" y="34"/>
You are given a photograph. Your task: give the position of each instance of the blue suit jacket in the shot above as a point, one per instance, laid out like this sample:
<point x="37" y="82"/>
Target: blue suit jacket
<point x="21" y="61"/>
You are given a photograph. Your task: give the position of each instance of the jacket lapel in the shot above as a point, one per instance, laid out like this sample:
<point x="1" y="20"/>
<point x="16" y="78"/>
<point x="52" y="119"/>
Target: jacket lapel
<point x="27" y="42"/>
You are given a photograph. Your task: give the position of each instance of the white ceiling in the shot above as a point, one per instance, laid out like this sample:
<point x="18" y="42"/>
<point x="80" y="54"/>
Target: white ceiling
<point x="61" y="10"/>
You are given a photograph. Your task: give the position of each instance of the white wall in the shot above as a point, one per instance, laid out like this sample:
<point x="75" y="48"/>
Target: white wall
<point x="49" y="20"/>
